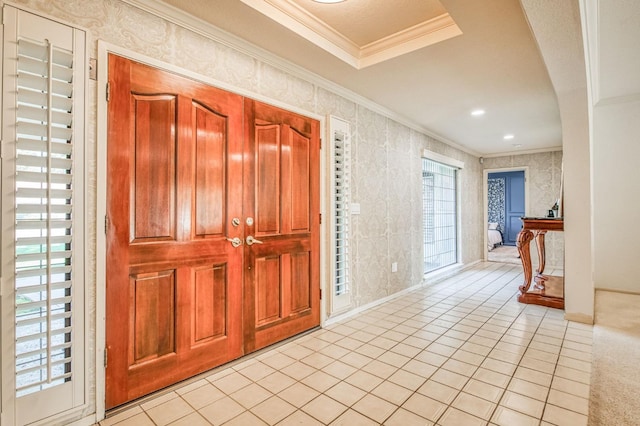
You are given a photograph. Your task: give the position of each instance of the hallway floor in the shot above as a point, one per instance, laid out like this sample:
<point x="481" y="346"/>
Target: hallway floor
<point x="459" y="352"/>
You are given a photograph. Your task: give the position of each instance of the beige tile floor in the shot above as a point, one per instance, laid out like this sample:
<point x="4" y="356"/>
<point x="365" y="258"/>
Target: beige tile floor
<point x="460" y="352"/>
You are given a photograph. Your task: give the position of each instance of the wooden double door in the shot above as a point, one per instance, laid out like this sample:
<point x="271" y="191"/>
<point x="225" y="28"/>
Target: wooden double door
<point x="212" y="228"/>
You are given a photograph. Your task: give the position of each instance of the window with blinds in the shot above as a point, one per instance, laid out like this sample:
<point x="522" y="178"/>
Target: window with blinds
<point x="439" y="215"/>
<point x="341" y="199"/>
<point x="45" y="98"/>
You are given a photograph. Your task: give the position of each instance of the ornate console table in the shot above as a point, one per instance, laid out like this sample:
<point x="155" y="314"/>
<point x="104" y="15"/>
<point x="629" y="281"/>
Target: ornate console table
<point x="548" y="290"/>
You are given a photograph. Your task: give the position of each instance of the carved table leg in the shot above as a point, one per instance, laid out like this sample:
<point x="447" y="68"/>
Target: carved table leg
<point x="523" y="241"/>
<point x="541" y="254"/>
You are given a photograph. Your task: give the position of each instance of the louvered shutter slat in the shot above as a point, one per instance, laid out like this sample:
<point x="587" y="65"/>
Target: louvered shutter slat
<point x="30" y="97"/>
<point x="40" y="130"/>
<point x="40" y="146"/>
<point x="28" y="177"/>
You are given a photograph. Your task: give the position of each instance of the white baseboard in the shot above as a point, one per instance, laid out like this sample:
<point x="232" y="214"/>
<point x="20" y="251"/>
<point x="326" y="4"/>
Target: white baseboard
<point x="434" y="277"/>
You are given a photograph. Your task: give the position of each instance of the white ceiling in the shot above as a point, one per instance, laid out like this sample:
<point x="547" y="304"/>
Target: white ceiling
<point x="433" y="83"/>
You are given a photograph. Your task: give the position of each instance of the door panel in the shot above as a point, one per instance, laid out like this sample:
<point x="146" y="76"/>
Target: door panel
<point x="268" y="156"/>
<point x="282" y="288"/>
<point x="184" y="177"/>
<point x="268" y="290"/>
<point x="515" y="206"/>
<point x="153" y="180"/>
<point x="300" y="282"/>
<point x="299" y="177"/>
<point x="209" y="297"/>
<point x="174" y="167"/>
<point x="153" y="309"/>
<point x="211" y="151"/>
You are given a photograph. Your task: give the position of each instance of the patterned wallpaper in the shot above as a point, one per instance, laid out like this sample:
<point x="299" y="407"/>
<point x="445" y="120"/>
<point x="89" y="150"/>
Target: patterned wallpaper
<point x="386" y="155"/>
<point x="545" y="170"/>
<point x="496" y="200"/>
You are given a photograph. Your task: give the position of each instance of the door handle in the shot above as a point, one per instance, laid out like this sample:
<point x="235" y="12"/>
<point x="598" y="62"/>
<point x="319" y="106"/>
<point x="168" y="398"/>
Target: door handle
<point x="235" y="242"/>
<point x="251" y="241"/>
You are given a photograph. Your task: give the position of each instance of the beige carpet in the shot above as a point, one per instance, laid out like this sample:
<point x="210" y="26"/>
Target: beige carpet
<point x="504" y="254"/>
<point x="615" y="374"/>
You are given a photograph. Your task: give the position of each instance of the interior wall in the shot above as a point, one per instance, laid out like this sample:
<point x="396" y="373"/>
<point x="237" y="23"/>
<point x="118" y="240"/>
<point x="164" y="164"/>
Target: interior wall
<point x="557" y="27"/>
<point x="613" y="33"/>
<point x="616" y="207"/>
<point x="544" y="175"/>
<point x="386" y="155"/>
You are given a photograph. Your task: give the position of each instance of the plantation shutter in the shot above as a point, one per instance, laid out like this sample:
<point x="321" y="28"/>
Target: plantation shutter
<point x="46" y="95"/>
<point x="341" y="178"/>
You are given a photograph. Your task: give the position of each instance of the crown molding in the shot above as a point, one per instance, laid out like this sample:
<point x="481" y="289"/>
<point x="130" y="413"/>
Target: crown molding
<point x="308" y="26"/>
<point x="301" y="22"/>
<point x="179" y="17"/>
<point x="424" y="34"/>
<point x="523" y="152"/>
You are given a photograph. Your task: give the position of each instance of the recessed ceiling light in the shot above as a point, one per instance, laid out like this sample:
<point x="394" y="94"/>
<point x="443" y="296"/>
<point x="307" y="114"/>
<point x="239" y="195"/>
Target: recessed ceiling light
<point x="508" y="137"/>
<point x="477" y="112"/>
<point x="517" y="145"/>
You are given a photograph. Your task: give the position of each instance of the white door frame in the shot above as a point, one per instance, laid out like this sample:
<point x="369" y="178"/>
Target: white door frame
<point x="104" y="49"/>
<point x="485" y="198"/>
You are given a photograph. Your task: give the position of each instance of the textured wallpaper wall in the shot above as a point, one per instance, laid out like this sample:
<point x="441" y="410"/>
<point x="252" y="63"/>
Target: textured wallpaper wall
<point x="545" y="171"/>
<point x="386" y="155"/>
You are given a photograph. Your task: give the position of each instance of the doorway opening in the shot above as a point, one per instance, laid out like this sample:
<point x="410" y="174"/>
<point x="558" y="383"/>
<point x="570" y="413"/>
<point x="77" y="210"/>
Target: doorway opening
<point x="506" y="204"/>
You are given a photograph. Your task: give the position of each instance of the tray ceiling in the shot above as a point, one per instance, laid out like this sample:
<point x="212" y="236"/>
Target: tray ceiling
<point x="363" y="32"/>
<point x="493" y="63"/>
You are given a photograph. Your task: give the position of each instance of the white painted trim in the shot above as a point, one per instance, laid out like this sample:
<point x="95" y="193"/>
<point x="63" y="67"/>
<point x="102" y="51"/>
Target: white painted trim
<point x="80" y="382"/>
<point x="104" y="49"/>
<point x="7" y="236"/>
<point x="207" y="30"/>
<point x="424" y="34"/>
<point x="360" y="309"/>
<point x="147" y="60"/>
<point x="101" y="241"/>
<point x="297" y="19"/>
<point x="324" y="201"/>
<point x="344" y="302"/>
<point x="443" y="159"/>
<point x="523" y="152"/>
<point x="437" y="276"/>
<point x="616" y="100"/>
<point x="446" y="272"/>
<point x="578" y="317"/>
<point x="66" y="418"/>
<point x="306" y="25"/>
<point x="590" y="17"/>
<point x="485" y="199"/>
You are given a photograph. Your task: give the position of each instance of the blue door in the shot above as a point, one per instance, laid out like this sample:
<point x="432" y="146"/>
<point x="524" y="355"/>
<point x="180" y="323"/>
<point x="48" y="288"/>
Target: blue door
<point x="506" y="203"/>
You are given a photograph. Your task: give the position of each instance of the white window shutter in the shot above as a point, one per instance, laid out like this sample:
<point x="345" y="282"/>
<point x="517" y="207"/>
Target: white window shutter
<point x="43" y="127"/>
<point x="341" y="200"/>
